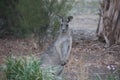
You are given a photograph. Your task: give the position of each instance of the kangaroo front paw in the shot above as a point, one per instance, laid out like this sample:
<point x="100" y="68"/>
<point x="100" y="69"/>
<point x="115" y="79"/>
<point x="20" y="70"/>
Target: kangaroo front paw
<point x="64" y="62"/>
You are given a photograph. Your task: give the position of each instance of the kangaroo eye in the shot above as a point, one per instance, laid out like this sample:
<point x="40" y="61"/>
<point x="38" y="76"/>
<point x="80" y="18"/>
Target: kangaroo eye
<point x="61" y="24"/>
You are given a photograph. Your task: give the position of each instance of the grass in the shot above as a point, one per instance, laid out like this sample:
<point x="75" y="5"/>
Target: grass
<point x="25" y="68"/>
<point x="112" y="76"/>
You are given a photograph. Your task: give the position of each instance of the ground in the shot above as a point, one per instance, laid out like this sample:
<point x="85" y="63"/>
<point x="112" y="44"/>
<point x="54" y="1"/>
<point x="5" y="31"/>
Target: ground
<point x="88" y="57"/>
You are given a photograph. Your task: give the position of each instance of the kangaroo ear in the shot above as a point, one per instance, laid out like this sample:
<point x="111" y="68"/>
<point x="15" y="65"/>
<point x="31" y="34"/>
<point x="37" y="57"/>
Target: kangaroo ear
<point x="70" y="18"/>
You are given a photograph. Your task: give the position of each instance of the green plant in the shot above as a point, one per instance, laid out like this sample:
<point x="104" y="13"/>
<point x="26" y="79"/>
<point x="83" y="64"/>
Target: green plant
<point x="113" y="76"/>
<point x="6" y="17"/>
<point x="48" y="73"/>
<point x="27" y="68"/>
<point x="25" y="17"/>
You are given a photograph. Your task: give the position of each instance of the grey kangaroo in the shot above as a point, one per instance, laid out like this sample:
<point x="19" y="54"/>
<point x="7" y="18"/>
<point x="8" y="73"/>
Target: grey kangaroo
<point x="58" y="52"/>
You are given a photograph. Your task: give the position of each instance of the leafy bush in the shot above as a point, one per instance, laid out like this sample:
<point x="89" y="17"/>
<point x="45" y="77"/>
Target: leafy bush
<point x="24" y="17"/>
<point x="6" y="17"/>
<point x="22" y="69"/>
<point x="27" y="68"/>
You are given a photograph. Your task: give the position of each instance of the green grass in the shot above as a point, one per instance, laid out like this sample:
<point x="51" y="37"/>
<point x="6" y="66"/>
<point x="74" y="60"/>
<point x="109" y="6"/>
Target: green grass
<point x="112" y="76"/>
<point x="26" y="68"/>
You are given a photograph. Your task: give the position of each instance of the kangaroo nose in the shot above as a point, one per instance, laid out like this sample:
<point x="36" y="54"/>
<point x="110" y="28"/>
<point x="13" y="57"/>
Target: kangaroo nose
<point x="63" y="30"/>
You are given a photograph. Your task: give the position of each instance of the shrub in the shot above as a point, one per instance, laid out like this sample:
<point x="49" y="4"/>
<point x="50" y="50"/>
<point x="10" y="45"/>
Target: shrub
<point x="27" y="68"/>
<point x="22" y="69"/>
<point x="7" y="18"/>
<point x="24" y="17"/>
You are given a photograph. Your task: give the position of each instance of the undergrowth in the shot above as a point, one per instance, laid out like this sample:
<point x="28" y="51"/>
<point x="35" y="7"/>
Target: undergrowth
<point x="25" y="68"/>
<point x="113" y="76"/>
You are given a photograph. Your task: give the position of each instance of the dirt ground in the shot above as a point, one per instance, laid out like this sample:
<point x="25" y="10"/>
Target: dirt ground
<point x="88" y="57"/>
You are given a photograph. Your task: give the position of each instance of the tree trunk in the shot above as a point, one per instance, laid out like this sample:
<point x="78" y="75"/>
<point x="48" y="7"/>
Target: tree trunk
<point x="109" y="22"/>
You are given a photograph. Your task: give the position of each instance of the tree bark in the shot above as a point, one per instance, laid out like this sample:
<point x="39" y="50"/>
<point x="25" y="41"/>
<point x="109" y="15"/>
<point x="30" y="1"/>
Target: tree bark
<point x="109" y="22"/>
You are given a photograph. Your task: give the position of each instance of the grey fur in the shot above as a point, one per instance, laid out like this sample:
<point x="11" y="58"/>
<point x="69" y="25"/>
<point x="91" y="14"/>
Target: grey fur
<point x="58" y="52"/>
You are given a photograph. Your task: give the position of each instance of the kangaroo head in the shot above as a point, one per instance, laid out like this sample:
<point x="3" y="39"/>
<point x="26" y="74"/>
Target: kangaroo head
<point x="64" y="25"/>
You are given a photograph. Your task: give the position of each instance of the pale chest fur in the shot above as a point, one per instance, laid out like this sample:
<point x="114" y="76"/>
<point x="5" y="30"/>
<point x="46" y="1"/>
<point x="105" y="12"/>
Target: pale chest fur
<point x="62" y="39"/>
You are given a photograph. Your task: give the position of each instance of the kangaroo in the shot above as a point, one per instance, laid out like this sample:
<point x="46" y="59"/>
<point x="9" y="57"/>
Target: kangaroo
<point x="58" y="52"/>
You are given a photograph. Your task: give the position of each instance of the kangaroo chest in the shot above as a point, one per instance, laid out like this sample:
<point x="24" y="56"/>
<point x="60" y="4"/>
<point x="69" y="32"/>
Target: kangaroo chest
<point x="62" y="40"/>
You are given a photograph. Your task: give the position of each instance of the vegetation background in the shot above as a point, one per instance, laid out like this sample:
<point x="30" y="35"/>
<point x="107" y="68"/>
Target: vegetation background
<point x="21" y="20"/>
